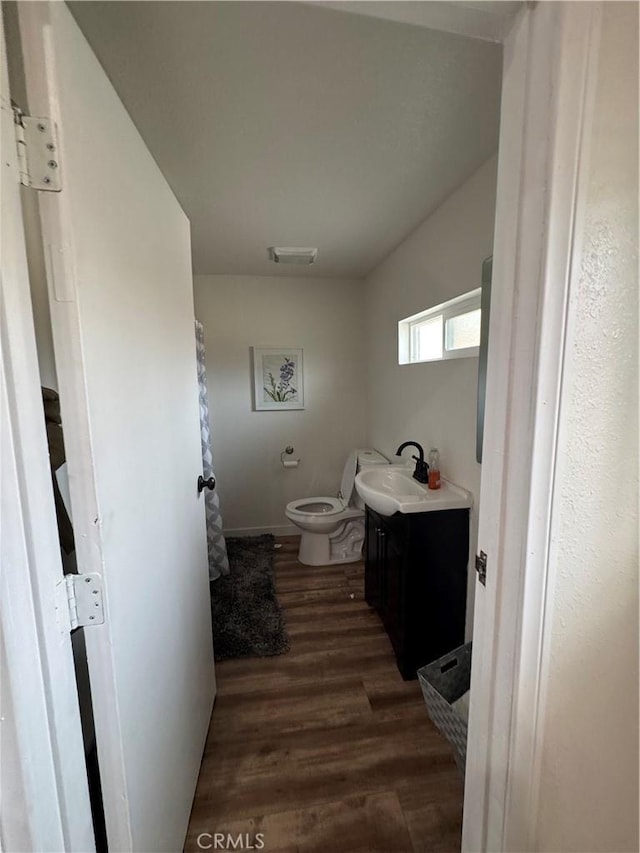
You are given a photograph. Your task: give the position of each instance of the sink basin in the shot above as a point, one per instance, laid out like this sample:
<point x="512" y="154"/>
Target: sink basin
<point x="391" y="488"/>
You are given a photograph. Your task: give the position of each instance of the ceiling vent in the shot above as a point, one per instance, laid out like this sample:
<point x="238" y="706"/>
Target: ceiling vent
<point x="292" y="255"/>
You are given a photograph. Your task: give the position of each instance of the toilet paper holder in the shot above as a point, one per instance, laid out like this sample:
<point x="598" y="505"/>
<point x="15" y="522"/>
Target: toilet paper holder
<point x="288" y="463"/>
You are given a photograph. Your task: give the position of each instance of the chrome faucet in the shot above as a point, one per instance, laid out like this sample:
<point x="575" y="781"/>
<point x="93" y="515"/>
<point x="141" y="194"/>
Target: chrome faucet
<point x="421" y="474"/>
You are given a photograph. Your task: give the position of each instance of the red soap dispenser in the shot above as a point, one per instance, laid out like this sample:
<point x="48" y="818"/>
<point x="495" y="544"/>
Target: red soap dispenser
<point x="434" y="469"/>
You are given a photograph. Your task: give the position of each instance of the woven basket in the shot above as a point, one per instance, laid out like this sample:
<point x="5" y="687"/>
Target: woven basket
<point x="443" y="682"/>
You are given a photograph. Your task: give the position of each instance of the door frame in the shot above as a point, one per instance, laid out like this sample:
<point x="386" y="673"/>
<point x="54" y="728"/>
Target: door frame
<point x="59" y="253"/>
<point x="42" y="745"/>
<point x="542" y="143"/>
<point x="550" y="65"/>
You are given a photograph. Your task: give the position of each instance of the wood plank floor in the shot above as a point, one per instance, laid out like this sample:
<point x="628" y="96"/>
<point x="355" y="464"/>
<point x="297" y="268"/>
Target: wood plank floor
<point x="326" y="748"/>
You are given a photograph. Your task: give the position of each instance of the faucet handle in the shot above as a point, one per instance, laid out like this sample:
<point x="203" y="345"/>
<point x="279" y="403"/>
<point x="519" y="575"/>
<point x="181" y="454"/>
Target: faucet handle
<point x="421" y="474"/>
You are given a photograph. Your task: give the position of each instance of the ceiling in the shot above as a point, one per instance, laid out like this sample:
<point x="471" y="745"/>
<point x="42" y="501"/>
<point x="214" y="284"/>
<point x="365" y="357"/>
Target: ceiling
<point x="291" y="124"/>
<point x="486" y="19"/>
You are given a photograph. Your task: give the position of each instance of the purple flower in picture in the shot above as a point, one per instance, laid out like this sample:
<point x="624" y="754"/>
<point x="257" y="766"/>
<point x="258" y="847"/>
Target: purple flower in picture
<point x="283" y="390"/>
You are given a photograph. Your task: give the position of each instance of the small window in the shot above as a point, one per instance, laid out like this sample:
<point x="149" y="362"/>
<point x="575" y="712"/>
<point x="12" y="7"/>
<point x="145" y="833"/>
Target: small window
<point x="450" y="330"/>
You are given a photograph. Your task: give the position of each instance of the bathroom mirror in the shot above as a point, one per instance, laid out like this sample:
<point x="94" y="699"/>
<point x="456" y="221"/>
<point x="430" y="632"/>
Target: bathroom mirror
<point x="485" y="305"/>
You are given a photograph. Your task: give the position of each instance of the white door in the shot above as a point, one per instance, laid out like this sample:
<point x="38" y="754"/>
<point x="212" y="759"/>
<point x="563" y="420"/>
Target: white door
<point x="117" y="251"/>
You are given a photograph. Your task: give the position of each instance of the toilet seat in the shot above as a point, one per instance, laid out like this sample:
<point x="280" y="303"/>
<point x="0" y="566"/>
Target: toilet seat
<point x="316" y="506"/>
<point x="322" y="508"/>
<point x="328" y="511"/>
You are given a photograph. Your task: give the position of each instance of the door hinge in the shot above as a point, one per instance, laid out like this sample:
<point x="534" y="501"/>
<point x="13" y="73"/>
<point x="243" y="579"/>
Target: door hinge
<point x="481" y="567"/>
<point x="38" y="155"/>
<point x="83" y="596"/>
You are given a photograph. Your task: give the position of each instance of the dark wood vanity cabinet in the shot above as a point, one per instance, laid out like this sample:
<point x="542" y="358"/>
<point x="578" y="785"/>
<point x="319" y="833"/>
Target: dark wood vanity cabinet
<point x="416" y="578"/>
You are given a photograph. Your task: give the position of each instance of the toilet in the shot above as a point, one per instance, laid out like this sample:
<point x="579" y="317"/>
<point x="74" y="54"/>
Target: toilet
<point x="333" y="528"/>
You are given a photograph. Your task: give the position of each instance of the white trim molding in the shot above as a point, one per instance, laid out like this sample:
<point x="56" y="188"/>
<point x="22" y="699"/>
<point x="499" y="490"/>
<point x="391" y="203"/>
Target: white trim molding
<point x="45" y="803"/>
<point x="574" y="99"/>
<point x="274" y="530"/>
<point x="550" y="59"/>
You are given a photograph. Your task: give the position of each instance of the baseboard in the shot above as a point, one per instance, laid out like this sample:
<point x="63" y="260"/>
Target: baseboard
<point x="278" y="530"/>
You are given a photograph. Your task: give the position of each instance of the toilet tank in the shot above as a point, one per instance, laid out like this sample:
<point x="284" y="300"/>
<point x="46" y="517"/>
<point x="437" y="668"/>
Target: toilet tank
<point x="367" y="457"/>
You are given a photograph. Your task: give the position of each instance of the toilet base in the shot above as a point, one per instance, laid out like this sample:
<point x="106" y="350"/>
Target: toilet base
<point x="327" y="549"/>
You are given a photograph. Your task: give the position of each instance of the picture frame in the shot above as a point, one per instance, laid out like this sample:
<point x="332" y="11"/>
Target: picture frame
<point x="278" y="379"/>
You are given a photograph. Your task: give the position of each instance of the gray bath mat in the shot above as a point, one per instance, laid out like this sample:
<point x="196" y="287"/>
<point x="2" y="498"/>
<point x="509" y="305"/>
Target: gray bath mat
<point x="247" y="619"/>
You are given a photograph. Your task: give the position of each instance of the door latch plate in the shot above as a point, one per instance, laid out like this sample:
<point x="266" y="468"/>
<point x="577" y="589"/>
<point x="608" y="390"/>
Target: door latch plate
<point x="481" y="567"/>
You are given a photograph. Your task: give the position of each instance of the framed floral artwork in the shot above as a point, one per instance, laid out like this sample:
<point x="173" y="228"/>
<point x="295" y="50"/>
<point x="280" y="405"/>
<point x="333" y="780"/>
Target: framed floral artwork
<point x="278" y="379"/>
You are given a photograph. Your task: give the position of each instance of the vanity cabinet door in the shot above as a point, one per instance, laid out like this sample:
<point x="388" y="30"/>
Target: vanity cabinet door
<point x="437" y="588"/>
<point x="373" y="559"/>
<point x="393" y="545"/>
<point x="416" y="577"/>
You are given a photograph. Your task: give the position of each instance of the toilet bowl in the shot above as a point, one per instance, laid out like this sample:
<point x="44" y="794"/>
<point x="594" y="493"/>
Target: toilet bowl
<point x="332" y="529"/>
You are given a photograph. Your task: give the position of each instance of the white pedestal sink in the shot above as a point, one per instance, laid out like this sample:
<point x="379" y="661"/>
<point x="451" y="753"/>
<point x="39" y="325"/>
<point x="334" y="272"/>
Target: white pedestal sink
<point x="391" y="488"/>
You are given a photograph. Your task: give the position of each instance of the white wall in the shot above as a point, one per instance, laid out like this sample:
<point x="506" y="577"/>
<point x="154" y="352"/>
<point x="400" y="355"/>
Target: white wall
<point x="589" y="798"/>
<point x="325" y="318"/>
<point x="432" y="403"/>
